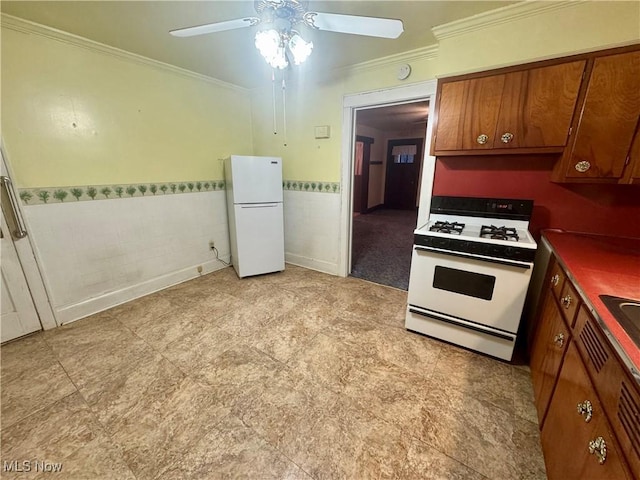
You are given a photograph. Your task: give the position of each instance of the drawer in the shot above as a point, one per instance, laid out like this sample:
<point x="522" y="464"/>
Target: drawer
<point x="569" y="303"/>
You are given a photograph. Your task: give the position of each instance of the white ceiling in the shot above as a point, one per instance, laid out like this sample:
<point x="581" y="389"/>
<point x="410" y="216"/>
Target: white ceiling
<point x="142" y="27"/>
<point x="395" y="118"/>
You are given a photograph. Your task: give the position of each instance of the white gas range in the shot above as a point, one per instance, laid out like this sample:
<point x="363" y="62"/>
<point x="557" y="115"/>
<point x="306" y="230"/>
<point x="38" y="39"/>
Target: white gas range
<point x="470" y="272"/>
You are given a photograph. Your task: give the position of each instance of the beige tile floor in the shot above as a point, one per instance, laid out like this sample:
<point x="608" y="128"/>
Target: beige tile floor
<point x="293" y="375"/>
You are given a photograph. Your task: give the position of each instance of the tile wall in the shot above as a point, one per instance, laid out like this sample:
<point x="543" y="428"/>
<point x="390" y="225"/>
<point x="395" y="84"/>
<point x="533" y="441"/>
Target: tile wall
<point x="97" y="254"/>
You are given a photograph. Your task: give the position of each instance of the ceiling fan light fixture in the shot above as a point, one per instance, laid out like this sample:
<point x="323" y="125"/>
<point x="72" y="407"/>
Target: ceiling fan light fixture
<point x="279" y="46"/>
<point x="271" y="46"/>
<point x="300" y="48"/>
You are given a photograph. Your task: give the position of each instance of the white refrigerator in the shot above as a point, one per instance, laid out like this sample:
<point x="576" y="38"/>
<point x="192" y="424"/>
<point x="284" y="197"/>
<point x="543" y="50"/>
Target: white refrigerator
<point x="256" y="219"/>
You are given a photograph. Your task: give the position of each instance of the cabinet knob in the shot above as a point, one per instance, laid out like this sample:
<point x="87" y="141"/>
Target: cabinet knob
<point x="555" y="279"/>
<point x="506" y="137"/>
<point x="586" y="410"/>
<point x="559" y="339"/>
<point x="566" y="301"/>
<point x="582" y="166"/>
<point x="598" y="447"/>
<point x="482" y="139"/>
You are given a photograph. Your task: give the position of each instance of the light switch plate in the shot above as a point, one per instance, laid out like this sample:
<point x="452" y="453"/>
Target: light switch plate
<point x="322" y="131"/>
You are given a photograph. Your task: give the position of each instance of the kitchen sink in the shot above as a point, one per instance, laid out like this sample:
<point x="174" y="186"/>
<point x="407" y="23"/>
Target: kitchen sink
<point x="627" y="313"/>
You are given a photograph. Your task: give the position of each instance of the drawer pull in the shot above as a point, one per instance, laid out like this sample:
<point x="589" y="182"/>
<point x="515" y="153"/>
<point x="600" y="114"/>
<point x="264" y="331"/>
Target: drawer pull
<point x="566" y="301"/>
<point x="559" y="339"/>
<point x="582" y="166"/>
<point x="506" y="137"/>
<point x="554" y="280"/>
<point x="586" y="410"/>
<point x="482" y="139"/>
<point x="598" y="447"/>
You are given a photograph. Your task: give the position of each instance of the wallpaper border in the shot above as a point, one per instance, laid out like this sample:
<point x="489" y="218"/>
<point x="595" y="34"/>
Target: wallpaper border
<point x="49" y="195"/>
<point x="82" y="193"/>
<point x="311" y="186"/>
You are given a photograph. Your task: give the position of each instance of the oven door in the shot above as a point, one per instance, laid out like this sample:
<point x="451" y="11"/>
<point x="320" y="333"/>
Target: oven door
<point x="479" y="291"/>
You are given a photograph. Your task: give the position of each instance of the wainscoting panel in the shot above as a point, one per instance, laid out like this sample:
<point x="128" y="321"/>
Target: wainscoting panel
<point x="311" y="226"/>
<point x="98" y="254"/>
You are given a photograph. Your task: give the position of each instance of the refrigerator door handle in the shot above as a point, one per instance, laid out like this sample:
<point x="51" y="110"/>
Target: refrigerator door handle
<point x="263" y="205"/>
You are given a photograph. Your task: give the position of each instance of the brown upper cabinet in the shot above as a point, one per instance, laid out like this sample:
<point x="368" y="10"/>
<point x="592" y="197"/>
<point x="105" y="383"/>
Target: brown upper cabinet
<point x="606" y="122"/>
<point x="521" y="111"/>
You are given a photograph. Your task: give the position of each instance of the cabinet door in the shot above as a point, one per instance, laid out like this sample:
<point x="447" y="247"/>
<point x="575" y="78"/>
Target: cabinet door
<point x="538" y="105"/>
<point x="608" y="121"/>
<point x="549" y="344"/>
<point x="467" y="110"/>
<point x="567" y="435"/>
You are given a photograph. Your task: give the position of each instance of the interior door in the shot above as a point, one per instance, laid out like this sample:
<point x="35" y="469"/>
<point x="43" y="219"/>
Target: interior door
<point x="19" y="316"/>
<point x="404" y="158"/>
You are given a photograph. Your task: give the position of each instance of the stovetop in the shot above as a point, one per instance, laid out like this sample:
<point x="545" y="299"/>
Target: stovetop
<point x="484" y="227"/>
<point x="470" y="243"/>
<point x="482" y="230"/>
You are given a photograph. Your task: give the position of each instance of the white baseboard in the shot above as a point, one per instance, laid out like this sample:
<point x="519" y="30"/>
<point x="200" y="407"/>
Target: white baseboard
<point x="311" y="263"/>
<point x="77" y="311"/>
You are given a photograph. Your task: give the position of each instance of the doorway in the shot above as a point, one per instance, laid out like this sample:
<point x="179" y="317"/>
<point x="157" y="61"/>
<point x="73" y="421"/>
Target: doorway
<point x="25" y="304"/>
<point x="359" y="102"/>
<point x="18" y="316"/>
<point x="387" y="163"/>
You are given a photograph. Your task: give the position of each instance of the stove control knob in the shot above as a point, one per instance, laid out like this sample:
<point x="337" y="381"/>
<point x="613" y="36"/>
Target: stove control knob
<point x="509" y="251"/>
<point x="441" y="242"/>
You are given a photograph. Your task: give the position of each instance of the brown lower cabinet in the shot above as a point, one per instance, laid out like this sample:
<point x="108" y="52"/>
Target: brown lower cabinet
<point x="587" y="400"/>
<point x="550" y="343"/>
<point x="576" y="436"/>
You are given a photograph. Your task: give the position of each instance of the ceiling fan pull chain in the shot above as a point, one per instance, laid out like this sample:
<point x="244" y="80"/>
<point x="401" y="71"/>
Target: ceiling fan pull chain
<point x="273" y="97"/>
<point x="284" y="109"/>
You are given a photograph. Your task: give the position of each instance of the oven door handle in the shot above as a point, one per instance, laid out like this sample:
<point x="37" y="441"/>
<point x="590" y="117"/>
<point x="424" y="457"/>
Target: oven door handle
<point x="482" y="258"/>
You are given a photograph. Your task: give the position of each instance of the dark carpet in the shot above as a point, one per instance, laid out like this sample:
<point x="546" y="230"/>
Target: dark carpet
<point x="382" y="244"/>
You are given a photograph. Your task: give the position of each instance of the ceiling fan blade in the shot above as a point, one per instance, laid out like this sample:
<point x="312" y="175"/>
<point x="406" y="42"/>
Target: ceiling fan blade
<point x="215" y="27"/>
<point x="356" y="25"/>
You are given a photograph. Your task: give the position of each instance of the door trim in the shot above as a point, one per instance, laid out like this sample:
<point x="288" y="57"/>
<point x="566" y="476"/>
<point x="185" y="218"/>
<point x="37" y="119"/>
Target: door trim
<point x="416" y="92"/>
<point x="27" y="254"/>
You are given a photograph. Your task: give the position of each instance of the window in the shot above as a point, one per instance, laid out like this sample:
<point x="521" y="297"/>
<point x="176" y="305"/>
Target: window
<point x="404" y="153"/>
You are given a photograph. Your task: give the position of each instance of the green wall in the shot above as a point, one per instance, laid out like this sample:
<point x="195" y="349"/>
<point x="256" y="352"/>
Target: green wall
<point x="73" y="114"/>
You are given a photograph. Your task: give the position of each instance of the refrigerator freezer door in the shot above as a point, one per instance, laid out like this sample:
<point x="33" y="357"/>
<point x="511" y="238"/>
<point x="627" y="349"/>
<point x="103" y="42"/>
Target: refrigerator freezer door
<point x="260" y="239"/>
<point x="254" y="179"/>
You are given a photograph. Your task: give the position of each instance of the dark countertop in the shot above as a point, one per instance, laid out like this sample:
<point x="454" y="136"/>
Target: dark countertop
<point x="602" y="265"/>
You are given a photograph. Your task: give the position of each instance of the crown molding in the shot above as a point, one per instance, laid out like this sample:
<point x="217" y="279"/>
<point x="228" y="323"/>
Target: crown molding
<point x="499" y="16"/>
<point x="422" y="53"/>
<point x="25" y="26"/>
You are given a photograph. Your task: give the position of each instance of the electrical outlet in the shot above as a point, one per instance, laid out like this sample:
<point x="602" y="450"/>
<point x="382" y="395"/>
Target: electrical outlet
<point x="212" y="244"/>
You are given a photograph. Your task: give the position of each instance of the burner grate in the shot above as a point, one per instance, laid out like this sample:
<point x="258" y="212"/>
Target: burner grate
<point x="447" y="227"/>
<point x="499" y="233"/>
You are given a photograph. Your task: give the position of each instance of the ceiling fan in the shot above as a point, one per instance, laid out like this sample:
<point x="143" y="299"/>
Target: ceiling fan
<point x="278" y="41"/>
